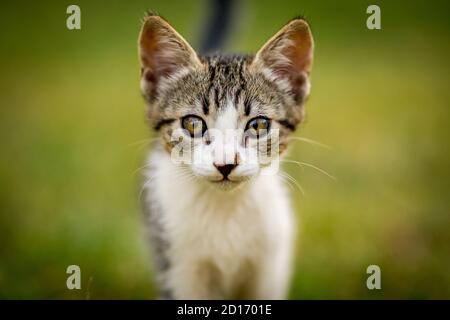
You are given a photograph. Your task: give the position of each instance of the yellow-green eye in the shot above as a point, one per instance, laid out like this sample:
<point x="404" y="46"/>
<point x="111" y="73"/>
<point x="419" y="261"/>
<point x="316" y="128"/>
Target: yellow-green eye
<point x="194" y="125"/>
<point x="258" y="127"/>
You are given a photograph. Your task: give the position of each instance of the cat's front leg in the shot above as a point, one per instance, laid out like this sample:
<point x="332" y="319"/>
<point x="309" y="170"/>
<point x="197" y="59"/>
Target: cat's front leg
<point x="272" y="277"/>
<point x="195" y="281"/>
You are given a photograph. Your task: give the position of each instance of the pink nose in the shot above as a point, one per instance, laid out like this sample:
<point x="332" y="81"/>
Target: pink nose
<point x="226" y="169"/>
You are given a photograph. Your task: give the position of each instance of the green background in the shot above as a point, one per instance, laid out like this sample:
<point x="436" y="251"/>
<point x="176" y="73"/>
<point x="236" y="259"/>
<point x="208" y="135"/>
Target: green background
<point x="73" y="134"/>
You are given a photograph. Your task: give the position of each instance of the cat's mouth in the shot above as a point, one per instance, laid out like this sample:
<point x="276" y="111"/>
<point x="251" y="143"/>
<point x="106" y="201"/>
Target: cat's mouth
<point x="225" y="181"/>
<point x="226" y="184"/>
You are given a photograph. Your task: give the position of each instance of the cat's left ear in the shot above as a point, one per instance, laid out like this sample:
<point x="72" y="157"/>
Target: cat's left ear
<point x="286" y="59"/>
<point x="164" y="54"/>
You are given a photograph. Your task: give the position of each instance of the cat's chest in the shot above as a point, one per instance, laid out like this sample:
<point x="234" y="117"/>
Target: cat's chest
<point x="216" y="224"/>
<point x="228" y="235"/>
<point x="215" y="217"/>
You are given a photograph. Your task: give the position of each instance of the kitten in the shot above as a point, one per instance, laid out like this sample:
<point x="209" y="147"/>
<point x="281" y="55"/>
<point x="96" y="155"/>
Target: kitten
<point x="220" y="227"/>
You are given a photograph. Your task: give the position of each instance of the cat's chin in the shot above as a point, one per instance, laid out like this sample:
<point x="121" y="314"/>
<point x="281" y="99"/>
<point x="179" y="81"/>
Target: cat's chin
<point x="227" y="185"/>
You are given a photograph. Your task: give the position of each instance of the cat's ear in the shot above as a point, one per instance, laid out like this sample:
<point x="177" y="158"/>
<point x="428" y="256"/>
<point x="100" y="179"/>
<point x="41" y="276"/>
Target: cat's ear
<point x="286" y="59"/>
<point x="163" y="53"/>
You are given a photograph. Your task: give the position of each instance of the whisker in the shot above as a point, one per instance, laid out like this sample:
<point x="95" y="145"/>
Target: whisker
<point x="319" y="170"/>
<point x="185" y="173"/>
<point x="148" y="165"/>
<point x="145" y="185"/>
<point x="286" y="175"/>
<point x="142" y="142"/>
<point x="183" y="176"/>
<point x="186" y="177"/>
<point x="294" y="162"/>
<point x="305" y="164"/>
<point x="287" y="181"/>
<point x="311" y="141"/>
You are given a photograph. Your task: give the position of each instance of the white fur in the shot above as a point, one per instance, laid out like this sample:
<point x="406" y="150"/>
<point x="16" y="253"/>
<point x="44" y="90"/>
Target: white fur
<point x="223" y="242"/>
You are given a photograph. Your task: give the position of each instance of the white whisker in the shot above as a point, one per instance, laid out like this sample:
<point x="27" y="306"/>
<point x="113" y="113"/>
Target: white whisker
<point x="287" y="181"/>
<point x="142" y="143"/>
<point x="311" y="141"/>
<point x="148" y="165"/>
<point x="305" y="164"/>
<point x="145" y="185"/>
<point x="286" y="175"/>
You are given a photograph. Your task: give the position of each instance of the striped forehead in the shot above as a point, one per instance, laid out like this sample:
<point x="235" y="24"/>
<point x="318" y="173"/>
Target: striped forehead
<point x="226" y="81"/>
<point x="228" y="117"/>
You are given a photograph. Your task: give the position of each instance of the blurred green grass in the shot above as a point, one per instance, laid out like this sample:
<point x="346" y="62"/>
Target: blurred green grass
<point x="72" y="125"/>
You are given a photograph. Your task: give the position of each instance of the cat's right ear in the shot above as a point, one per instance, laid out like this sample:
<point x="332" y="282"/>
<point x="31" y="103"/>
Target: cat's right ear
<point x="286" y="59"/>
<point x="164" y="55"/>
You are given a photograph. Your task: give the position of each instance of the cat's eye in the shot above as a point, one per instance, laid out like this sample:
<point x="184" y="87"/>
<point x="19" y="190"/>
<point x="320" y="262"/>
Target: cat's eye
<point x="257" y="127"/>
<point x="196" y="126"/>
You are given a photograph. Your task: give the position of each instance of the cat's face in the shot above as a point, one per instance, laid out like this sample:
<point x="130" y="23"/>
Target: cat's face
<point x="226" y="118"/>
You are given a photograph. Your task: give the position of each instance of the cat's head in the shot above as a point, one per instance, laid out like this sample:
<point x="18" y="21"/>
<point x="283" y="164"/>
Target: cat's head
<point x="226" y="117"/>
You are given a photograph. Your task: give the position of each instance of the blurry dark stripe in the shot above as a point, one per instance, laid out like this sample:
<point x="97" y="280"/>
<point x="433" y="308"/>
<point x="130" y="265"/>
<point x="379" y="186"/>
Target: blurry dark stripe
<point x="247" y="106"/>
<point x="216" y="98"/>
<point x="162" y="122"/>
<point x="205" y="105"/>
<point x="236" y="96"/>
<point x="218" y="25"/>
<point x="286" y="124"/>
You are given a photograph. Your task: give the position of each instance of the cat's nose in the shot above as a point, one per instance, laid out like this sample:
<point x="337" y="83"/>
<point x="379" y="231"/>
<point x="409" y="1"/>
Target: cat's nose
<point x="226" y="169"/>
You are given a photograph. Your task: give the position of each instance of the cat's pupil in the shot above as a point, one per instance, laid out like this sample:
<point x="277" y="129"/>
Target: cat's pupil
<point x="194" y="125"/>
<point x="258" y="127"/>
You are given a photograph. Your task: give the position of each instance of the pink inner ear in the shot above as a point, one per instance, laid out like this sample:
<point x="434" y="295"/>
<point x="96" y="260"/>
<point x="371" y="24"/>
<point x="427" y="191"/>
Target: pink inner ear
<point x="300" y="52"/>
<point x="148" y="49"/>
<point x="289" y="57"/>
<point x="163" y="51"/>
<point x="155" y="48"/>
<point x="161" y="65"/>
